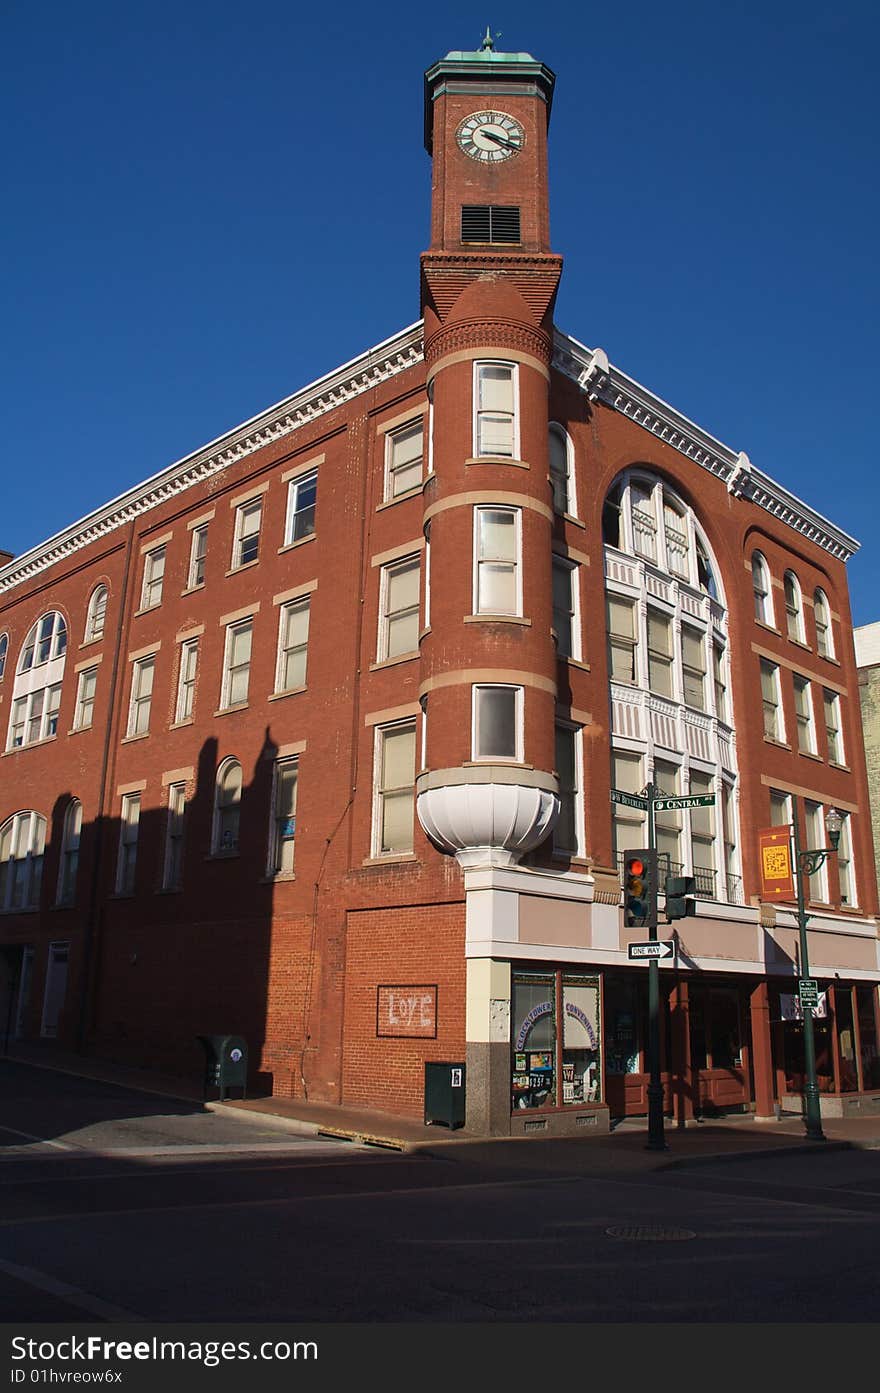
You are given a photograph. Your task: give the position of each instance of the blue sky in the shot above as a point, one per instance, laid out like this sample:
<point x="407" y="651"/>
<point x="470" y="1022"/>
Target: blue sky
<point x="210" y="205"/>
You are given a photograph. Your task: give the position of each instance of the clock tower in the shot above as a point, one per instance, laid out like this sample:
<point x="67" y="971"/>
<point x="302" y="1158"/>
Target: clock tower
<point x="488" y="791"/>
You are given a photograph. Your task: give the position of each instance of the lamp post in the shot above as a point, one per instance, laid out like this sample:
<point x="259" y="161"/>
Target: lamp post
<point x="808" y="862"/>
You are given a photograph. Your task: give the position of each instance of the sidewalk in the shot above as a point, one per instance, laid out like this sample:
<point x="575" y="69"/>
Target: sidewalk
<point x="730" y="1138"/>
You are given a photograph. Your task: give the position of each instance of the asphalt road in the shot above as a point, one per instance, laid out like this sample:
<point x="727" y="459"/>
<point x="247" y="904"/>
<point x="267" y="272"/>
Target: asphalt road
<point x="98" y="1227"/>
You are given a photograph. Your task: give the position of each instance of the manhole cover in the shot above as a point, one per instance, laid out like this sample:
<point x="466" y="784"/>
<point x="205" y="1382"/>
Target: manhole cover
<point x="649" y="1233"/>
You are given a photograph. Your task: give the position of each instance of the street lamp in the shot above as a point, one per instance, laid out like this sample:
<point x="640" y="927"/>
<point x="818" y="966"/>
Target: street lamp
<point x="808" y="863"/>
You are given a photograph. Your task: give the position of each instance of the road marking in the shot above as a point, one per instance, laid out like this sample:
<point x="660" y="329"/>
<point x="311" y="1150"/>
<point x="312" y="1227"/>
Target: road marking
<point x="75" y="1296"/>
<point x="29" y="1136"/>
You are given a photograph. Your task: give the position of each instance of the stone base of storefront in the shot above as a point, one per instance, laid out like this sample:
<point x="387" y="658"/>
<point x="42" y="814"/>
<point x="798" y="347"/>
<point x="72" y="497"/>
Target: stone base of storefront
<point x="577" y="1122"/>
<point x="837" y="1104"/>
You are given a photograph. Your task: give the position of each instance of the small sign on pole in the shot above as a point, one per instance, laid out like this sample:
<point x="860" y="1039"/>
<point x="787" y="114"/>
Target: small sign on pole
<point x="657" y="949"/>
<point x="629" y="800"/>
<point x="808" y="991"/>
<point x="688" y="800"/>
<point x="777" y="879"/>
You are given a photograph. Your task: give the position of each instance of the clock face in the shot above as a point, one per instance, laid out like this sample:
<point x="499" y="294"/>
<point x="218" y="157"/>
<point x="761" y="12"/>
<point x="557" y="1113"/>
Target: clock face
<point x="490" y="136"/>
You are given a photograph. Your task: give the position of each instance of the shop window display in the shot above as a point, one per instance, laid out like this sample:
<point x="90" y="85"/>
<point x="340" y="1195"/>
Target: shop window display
<point x="549" y="1067"/>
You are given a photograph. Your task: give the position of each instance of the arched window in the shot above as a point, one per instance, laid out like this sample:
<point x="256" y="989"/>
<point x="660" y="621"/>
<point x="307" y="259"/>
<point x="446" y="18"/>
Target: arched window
<point x="69" y="853"/>
<point x="22" y="844"/>
<point x="562" y="470"/>
<point x="824" y="635"/>
<point x="4" y="648"/>
<point x="227" y="806"/>
<point x="96" y="614"/>
<point x="794" y="607"/>
<point x="36" y="695"/>
<point x="761" y="588"/>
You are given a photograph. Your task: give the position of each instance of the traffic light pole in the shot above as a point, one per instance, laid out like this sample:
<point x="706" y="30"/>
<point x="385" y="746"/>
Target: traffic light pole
<point x="656" y="1137"/>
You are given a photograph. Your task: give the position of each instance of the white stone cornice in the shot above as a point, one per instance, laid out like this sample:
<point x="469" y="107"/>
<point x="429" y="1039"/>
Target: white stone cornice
<point x="601" y="381"/>
<point x="395" y="355"/>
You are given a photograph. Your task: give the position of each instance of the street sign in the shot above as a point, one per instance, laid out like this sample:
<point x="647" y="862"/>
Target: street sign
<point x="629" y="800"/>
<point x="662" y="949"/>
<point x="693" y="800"/>
<point x="808" y="991"/>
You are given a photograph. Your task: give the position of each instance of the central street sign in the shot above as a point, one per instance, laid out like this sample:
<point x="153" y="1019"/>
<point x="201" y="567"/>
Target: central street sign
<point x="693" y="800"/>
<point x="808" y="991"/>
<point x="629" y="800"/>
<point x="661" y="949"/>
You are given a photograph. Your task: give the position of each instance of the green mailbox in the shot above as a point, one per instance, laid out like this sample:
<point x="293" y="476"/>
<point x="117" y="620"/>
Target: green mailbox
<point x="226" y="1063"/>
<point x="444" y="1094"/>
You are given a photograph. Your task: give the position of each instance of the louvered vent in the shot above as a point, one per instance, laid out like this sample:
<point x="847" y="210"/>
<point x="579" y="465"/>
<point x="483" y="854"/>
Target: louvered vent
<point x="487" y="222"/>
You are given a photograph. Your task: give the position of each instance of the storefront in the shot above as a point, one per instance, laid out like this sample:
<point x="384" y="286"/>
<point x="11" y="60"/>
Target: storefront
<point x="846" y="1030"/>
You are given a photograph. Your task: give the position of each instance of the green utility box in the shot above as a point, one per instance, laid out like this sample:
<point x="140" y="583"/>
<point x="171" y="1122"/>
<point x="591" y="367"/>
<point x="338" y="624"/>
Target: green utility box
<point x="444" y="1094"/>
<point x="226" y="1063"/>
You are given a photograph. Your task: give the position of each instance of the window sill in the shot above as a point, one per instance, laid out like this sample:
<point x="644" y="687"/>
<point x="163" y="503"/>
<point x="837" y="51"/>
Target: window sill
<point x="400" y="497"/>
<point x="570" y="517"/>
<point x="147" y="609"/>
<point x="285" y="877"/>
<point x="122" y="895"/>
<point x="811" y="754"/>
<point x="393" y="662"/>
<point x="497" y="619"/>
<point x="32" y="745"/>
<point x="21" y="909"/>
<point x="391" y="858"/>
<point x="130" y="739"/>
<point x="90" y="642"/>
<point x="289" y="692"/>
<point x="180" y="725"/>
<point x="246" y="566"/>
<point x="191" y="589"/>
<point x="769" y="628"/>
<point x="230" y="710"/>
<point x="827" y="658"/>
<point x="300" y="542"/>
<point x="844" y="768"/>
<point x="800" y="643"/>
<point x="169" y="890"/>
<point x="68" y="904"/>
<point x="79" y="730"/>
<point x="498" y="459"/>
<point x="573" y="662"/>
<point x="780" y="744"/>
<point x="495" y="759"/>
<point x="222" y="856"/>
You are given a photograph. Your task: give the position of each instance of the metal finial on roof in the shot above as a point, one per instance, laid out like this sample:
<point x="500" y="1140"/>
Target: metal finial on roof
<point x="488" y="43"/>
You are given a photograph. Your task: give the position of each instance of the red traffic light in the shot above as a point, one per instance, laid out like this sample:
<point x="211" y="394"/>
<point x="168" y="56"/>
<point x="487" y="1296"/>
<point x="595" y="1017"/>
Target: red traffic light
<point x="636" y="867"/>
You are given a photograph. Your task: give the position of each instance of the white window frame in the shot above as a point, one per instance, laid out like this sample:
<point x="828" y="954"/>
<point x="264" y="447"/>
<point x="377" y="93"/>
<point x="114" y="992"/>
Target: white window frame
<point x="86" y="689"/>
<point x="4" y="650"/>
<point x="175" y="817"/>
<point x="286" y="649"/>
<point x="388" y="618"/>
<point x="689" y="671"/>
<point x="219" y="845"/>
<point x="480" y="427"/>
<point x="824" y="631"/>
<point x="293" y="530"/>
<point x="771" y="670"/>
<point x="834" y="728"/>
<point x="487" y="562"/>
<point x="794" y="607"/>
<point x="576" y="794"/>
<point x="845" y="872"/>
<point x="477" y="691"/>
<point x="804" y="714"/>
<point x="25" y="831"/>
<point x="563" y="484"/>
<point x="186" y="680"/>
<point x="763" y="591"/>
<point x="660" y="660"/>
<point x="683" y="549"/>
<point x="97" y="614"/>
<point x="129" y="825"/>
<point x="381" y="791"/>
<point x="143" y="677"/>
<point x="198" y="553"/>
<point x="720" y="682"/>
<point x="814" y="827"/>
<point x="562" y="564"/>
<point x="669" y="823"/>
<point x="36" y="691"/>
<point x="68" y="863"/>
<point x="282" y="833"/>
<point x="618" y="641"/>
<point x="395" y="440"/>
<point x="781" y="805"/>
<point x="246" y="535"/>
<point x="628" y="828"/>
<point x="154" y="578"/>
<point x="230" y="672"/>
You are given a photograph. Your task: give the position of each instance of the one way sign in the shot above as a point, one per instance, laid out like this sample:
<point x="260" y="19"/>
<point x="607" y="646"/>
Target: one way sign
<point x="661" y="949"/>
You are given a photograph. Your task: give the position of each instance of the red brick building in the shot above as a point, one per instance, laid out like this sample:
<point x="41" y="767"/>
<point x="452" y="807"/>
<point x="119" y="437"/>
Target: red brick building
<point x="311" y="737"/>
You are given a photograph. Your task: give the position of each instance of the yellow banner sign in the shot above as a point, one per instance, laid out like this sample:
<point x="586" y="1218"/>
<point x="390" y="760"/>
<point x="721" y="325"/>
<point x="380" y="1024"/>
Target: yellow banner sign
<point x="777" y="880"/>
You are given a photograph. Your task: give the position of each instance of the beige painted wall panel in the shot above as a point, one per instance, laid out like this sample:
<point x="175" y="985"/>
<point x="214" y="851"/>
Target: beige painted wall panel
<point x="553" y="921"/>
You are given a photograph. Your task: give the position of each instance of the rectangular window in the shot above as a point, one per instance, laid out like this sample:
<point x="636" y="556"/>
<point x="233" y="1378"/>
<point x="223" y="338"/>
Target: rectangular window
<point x="773" y="728"/>
<point x="780" y="808"/>
<point x="677" y="549"/>
<point x="567" y="835"/>
<point x="668" y="824"/>
<point x="186" y="681"/>
<point x="198" y="552"/>
<point x="172" y="876"/>
<point x="621" y="640"/>
<point x="128" y="840"/>
<point x="70" y="855"/>
<point x="728" y="825"/>
<point x="395" y="765"/>
<point x="399" y="608"/>
<point x="845" y="865"/>
<point x="301" y="499"/>
<point x="17" y="722"/>
<point x="283" y="817"/>
<point x="497" y="723"/>
<point x="246" y="546"/>
<point x="831" y="704"/>
<point x="659" y="653"/>
<point x="293" y="639"/>
<point x="555" y="1040"/>
<point x="143" y="670"/>
<point x="719" y="678"/>
<point x="644" y="522"/>
<point x="35" y="717"/>
<point x="403" y="459"/>
<point x="693" y="667"/>
<point x="803" y="710"/>
<point x="703" y="835"/>
<point x="154" y="574"/>
<point x="815" y="830"/>
<point x="629" y="830"/>
<point x="495" y="414"/>
<point x="237" y="664"/>
<point x="566" y="619"/>
<point x="497" y="548"/>
<point x="84" y="711"/>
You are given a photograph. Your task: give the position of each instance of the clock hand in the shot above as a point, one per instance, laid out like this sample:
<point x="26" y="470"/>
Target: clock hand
<point x="501" y="140"/>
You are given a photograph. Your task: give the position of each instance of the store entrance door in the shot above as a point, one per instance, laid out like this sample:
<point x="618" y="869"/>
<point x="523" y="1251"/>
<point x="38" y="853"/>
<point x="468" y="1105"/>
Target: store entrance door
<point x="719" y="1048"/>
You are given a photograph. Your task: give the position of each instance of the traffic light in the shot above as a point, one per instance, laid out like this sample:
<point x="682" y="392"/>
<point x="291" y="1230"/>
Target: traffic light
<point x="680" y="890"/>
<point x="639" y="887"/>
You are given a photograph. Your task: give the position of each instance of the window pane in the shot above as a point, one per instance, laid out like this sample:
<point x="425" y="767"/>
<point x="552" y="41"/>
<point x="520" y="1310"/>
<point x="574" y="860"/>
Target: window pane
<point x="496" y="722"/>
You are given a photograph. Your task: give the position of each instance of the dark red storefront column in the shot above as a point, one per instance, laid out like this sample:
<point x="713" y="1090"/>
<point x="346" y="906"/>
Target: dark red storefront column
<point x="682" y="1079"/>
<point x="762" y="1050"/>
